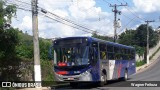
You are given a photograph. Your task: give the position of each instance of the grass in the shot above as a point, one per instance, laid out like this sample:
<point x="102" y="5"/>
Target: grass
<point x="140" y="63"/>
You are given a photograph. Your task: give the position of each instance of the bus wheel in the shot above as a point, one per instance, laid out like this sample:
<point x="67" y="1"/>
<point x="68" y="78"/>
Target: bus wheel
<point x="125" y="75"/>
<point x="74" y="84"/>
<point x="103" y="80"/>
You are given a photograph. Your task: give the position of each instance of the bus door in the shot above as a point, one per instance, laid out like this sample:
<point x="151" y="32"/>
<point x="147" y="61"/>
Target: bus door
<point x="93" y="56"/>
<point x="112" y="62"/>
<point x="118" y="61"/>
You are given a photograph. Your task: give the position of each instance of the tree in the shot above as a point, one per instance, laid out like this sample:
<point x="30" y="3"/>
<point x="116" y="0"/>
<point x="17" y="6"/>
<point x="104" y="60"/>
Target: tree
<point x="95" y="35"/>
<point x="8" y="36"/>
<point x="9" y="63"/>
<point x="138" y="38"/>
<point x="141" y="36"/>
<point x="25" y="47"/>
<point x="127" y="37"/>
<point x="44" y="48"/>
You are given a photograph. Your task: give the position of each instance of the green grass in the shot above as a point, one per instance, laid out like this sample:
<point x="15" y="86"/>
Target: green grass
<point x="140" y="63"/>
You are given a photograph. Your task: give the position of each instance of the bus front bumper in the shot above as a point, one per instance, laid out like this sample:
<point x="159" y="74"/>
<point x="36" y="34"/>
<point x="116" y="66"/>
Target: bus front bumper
<point x="85" y="76"/>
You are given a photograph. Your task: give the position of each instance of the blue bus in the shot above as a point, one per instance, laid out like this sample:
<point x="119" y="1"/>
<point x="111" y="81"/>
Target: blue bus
<point x="80" y="59"/>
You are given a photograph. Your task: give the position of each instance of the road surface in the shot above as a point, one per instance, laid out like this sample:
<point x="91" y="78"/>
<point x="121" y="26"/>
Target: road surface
<point x="151" y="73"/>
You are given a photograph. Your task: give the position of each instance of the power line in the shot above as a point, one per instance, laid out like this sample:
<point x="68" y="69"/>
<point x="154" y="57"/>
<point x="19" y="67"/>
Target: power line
<point x="23" y="2"/>
<point x="67" y="20"/>
<point x="126" y="25"/>
<point x="131" y="11"/>
<point x="129" y="17"/>
<point x="24" y="9"/>
<point x="119" y="1"/>
<point x="64" y="23"/>
<point x="18" y="7"/>
<point x="107" y="2"/>
<point x="45" y="11"/>
<point x="72" y="22"/>
<point x="93" y="12"/>
<point x="124" y="1"/>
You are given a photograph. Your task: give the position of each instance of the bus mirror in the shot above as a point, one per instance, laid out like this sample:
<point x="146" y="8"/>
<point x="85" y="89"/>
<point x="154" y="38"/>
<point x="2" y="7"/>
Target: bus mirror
<point x="50" y="53"/>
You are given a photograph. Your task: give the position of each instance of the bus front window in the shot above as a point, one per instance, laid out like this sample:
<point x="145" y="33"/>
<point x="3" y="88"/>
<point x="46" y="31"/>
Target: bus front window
<point x="71" y="56"/>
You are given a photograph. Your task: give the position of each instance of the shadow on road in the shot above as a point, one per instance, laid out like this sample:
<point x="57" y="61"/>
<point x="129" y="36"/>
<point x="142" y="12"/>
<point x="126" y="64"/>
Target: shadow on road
<point x="110" y="83"/>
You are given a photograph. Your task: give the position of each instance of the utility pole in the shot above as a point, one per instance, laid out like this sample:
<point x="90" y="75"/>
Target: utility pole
<point x="115" y="18"/>
<point x="147" y="47"/>
<point x="37" y="67"/>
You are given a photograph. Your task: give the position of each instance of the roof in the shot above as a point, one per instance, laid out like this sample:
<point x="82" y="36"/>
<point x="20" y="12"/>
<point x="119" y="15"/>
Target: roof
<point x="98" y="40"/>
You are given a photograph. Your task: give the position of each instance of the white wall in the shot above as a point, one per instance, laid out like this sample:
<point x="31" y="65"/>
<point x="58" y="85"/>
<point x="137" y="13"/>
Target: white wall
<point x="151" y="51"/>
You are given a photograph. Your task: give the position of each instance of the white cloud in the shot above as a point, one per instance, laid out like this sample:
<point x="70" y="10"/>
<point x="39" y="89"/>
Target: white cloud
<point x="83" y="12"/>
<point x="26" y="23"/>
<point x="60" y="13"/>
<point x="147" y="5"/>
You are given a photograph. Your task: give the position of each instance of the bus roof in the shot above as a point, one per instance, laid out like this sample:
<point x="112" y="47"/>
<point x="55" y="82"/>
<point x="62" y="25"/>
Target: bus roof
<point x="96" y="39"/>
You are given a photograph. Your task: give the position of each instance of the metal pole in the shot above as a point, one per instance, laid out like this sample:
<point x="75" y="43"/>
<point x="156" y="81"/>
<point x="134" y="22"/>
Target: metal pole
<point x="37" y="67"/>
<point x="148" y="40"/>
<point x="147" y="44"/>
<point x="115" y="18"/>
<point x="115" y="22"/>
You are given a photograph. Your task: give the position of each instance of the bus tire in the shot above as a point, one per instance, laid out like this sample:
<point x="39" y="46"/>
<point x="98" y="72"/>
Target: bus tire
<point x="125" y="78"/>
<point x="103" y="80"/>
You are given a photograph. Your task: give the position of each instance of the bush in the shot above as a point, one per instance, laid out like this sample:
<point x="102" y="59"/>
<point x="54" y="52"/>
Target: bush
<point x="140" y="63"/>
<point x="47" y="73"/>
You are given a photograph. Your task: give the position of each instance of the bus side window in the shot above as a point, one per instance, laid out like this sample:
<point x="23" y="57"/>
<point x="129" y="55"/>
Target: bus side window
<point x="132" y="54"/>
<point x="103" y="49"/>
<point x="110" y="52"/>
<point x="117" y="53"/>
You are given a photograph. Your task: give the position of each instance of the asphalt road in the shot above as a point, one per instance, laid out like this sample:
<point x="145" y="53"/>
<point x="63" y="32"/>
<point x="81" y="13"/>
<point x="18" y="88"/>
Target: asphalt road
<point x="149" y="74"/>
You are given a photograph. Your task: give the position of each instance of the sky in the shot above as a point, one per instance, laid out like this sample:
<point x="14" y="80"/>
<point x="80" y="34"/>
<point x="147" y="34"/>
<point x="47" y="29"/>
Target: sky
<point x="94" y="15"/>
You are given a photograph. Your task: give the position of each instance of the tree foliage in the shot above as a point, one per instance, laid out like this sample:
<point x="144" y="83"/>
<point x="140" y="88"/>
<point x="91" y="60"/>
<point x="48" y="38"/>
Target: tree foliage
<point x="25" y="47"/>
<point x="44" y="48"/>
<point x="141" y="36"/>
<point x="9" y="62"/>
<point x="138" y="38"/>
<point x="127" y="37"/>
<point x="95" y="35"/>
<point x="25" y="51"/>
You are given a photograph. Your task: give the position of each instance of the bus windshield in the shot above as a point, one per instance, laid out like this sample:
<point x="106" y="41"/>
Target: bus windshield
<point x="71" y="56"/>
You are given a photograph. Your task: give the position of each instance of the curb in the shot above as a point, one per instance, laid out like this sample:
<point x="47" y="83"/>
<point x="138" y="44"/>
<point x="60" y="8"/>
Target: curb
<point x="138" y="69"/>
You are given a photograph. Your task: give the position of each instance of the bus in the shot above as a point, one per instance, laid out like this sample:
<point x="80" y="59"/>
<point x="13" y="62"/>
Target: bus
<point x="88" y="59"/>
